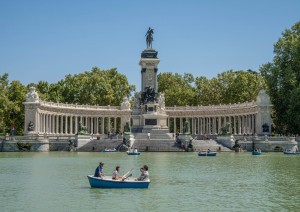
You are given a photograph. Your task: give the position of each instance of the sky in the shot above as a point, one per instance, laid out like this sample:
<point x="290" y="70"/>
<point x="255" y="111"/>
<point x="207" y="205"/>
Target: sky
<point x="46" y="40"/>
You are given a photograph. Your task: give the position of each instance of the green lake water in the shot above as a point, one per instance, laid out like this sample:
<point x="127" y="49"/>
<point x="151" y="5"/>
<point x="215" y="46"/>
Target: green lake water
<point x="56" y="181"/>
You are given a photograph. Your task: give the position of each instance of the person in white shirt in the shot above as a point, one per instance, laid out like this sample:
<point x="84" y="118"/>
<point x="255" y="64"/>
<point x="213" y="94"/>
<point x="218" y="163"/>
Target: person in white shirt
<point x="115" y="175"/>
<point x="144" y="175"/>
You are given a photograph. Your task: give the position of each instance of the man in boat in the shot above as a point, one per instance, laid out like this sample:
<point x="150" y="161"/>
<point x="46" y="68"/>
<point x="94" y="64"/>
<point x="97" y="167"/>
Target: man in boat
<point x="115" y="175"/>
<point x="144" y="174"/>
<point x="99" y="170"/>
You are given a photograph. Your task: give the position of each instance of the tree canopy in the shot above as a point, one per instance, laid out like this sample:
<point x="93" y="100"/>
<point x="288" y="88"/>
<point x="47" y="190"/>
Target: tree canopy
<point x="228" y="87"/>
<point x="95" y="87"/>
<point x="12" y="95"/>
<point x="283" y="79"/>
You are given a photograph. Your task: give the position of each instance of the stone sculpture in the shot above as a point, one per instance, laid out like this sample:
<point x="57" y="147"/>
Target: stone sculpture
<point x="32" y="95"/>
<point x="149" y="37"/>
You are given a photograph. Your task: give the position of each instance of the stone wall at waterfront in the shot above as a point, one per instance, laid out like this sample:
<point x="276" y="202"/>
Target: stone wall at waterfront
<point x="34" y="144"/>
<point x="265" y="143"/>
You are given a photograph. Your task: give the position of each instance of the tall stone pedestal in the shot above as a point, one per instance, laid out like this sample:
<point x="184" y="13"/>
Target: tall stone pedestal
<point x="81" y="140"/>
<point x="149" y="105"/>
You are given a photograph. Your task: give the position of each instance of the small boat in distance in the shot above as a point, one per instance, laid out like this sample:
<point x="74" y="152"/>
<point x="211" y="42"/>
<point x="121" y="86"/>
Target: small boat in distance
<point x="291" y="153"/>
<point x="108" y="182"/>
<point x="207" y="154"/>
<point x="256" y="153"/>
<point x="133" y="153"/>
<point x="110" y="150"/>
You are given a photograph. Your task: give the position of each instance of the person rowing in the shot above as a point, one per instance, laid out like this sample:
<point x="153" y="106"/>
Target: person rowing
<point x="115" y="175"/>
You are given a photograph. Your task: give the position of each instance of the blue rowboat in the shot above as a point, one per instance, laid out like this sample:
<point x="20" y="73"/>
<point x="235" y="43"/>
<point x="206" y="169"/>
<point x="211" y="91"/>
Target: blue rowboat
<point x="110" y="150"/>
<point x="133" y="153"/>
<point x="256" y="153"/>
<point x="207" y="154"/>
<point x="291" y="153"/>
<point x="107" y="182"/>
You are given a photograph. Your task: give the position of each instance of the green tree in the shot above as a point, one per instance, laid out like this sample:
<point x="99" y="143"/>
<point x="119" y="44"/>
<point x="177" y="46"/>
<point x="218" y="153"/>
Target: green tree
<point x="228" y="87"/>
<point x="4" y="102"/>
<point x="11" y="105"/>
<point x="95" y="87"/>
<point x="178" y="88"/>
<point x="283" y="79"/>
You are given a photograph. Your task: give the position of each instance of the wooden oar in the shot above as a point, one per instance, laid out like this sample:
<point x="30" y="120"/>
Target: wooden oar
<point x="127" y="173"/>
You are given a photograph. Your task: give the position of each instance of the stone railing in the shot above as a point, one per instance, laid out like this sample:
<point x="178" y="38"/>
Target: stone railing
<point x="76" y="106"/>
<point x="213" y="107"/>
<point x="37" y="137"/>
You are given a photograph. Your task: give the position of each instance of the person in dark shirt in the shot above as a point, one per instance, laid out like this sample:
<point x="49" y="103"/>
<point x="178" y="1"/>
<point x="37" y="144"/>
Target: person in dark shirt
<point x="99" y="170"/>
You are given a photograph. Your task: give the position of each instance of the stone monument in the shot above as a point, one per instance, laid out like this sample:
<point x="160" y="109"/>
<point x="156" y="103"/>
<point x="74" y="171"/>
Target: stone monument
<point x="263" y="117"/>
<point x="149" y="105"/>
<point x="31" y="105"/>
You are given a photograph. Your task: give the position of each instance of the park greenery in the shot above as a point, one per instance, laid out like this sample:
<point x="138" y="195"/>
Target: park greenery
<point x="281" y="78"/>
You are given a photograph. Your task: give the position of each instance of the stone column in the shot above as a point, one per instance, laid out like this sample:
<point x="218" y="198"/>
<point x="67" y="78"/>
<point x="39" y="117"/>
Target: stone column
<point x="43" y="123"/>
<point x="76" y="124"/>
<point x="115" y="124"/>
<point x="97" y="125"/>
<point x="242" y="124"/>
<point x="49" y="123"/>
<point x="239" y="125"/>
<point x="220" y="124"/>
<point x="102" y="125"/>
<point x="56" y="124"/>
<point x="214" y="125"/>
<point x="92" y="125"/>
<point x="66" y="125"/>
<point x="108" y="122"/>
<point x="180" y="129"/>
<point x="175" y="125"/>
<point x="61" y="124"/>
<point x="46" y="123"/>
<point x="234" y="125"/>
<point x="71" y="125"/>
<point x="209" y="126"/>
<point x="200" y="126"/>
<point x="53" y="124"/>
<point x="253" y="124"/>
<point x="230" y="125"/>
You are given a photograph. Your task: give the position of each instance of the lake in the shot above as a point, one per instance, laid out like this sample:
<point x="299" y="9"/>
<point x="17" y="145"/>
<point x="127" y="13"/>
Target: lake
<point x="56" y="181"/>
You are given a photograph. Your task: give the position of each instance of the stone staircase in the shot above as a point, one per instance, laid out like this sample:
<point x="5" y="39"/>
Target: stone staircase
<point x="100" y="145"/>
<point x="204" y="145"/>
<point x="160" y="140"/>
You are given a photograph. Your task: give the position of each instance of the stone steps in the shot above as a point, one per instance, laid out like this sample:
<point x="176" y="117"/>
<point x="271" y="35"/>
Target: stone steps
<point x="100" y="145"/>
<point x="144" y="136"/>
<point x="203" y="145"/>
<point x="167" y="145"/>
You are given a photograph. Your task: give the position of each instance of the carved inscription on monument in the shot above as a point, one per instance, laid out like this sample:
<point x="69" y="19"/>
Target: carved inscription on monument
<point x="150" y="121"/>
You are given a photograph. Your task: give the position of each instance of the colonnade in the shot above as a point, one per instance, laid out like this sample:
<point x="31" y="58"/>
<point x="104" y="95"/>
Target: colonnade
<point x="238" y="124"/>
<point x="68" y="124"/>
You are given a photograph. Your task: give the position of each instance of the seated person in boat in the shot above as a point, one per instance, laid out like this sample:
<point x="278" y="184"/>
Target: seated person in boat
<point x="99" y="170"/>
<point x="135" y="150"/>
<point x="144" y="174"/>
<point x="115" y="175"/>
<point x="208" y="151"/>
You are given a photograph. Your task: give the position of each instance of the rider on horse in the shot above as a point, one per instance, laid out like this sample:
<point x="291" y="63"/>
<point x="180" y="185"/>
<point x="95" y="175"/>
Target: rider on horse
<point x="149" y="37"/>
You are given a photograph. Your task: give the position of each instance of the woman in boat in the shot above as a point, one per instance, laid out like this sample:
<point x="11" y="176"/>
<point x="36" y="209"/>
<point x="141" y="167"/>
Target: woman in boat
<point x="144" y="175"/>
<point x="115" y="175"/>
